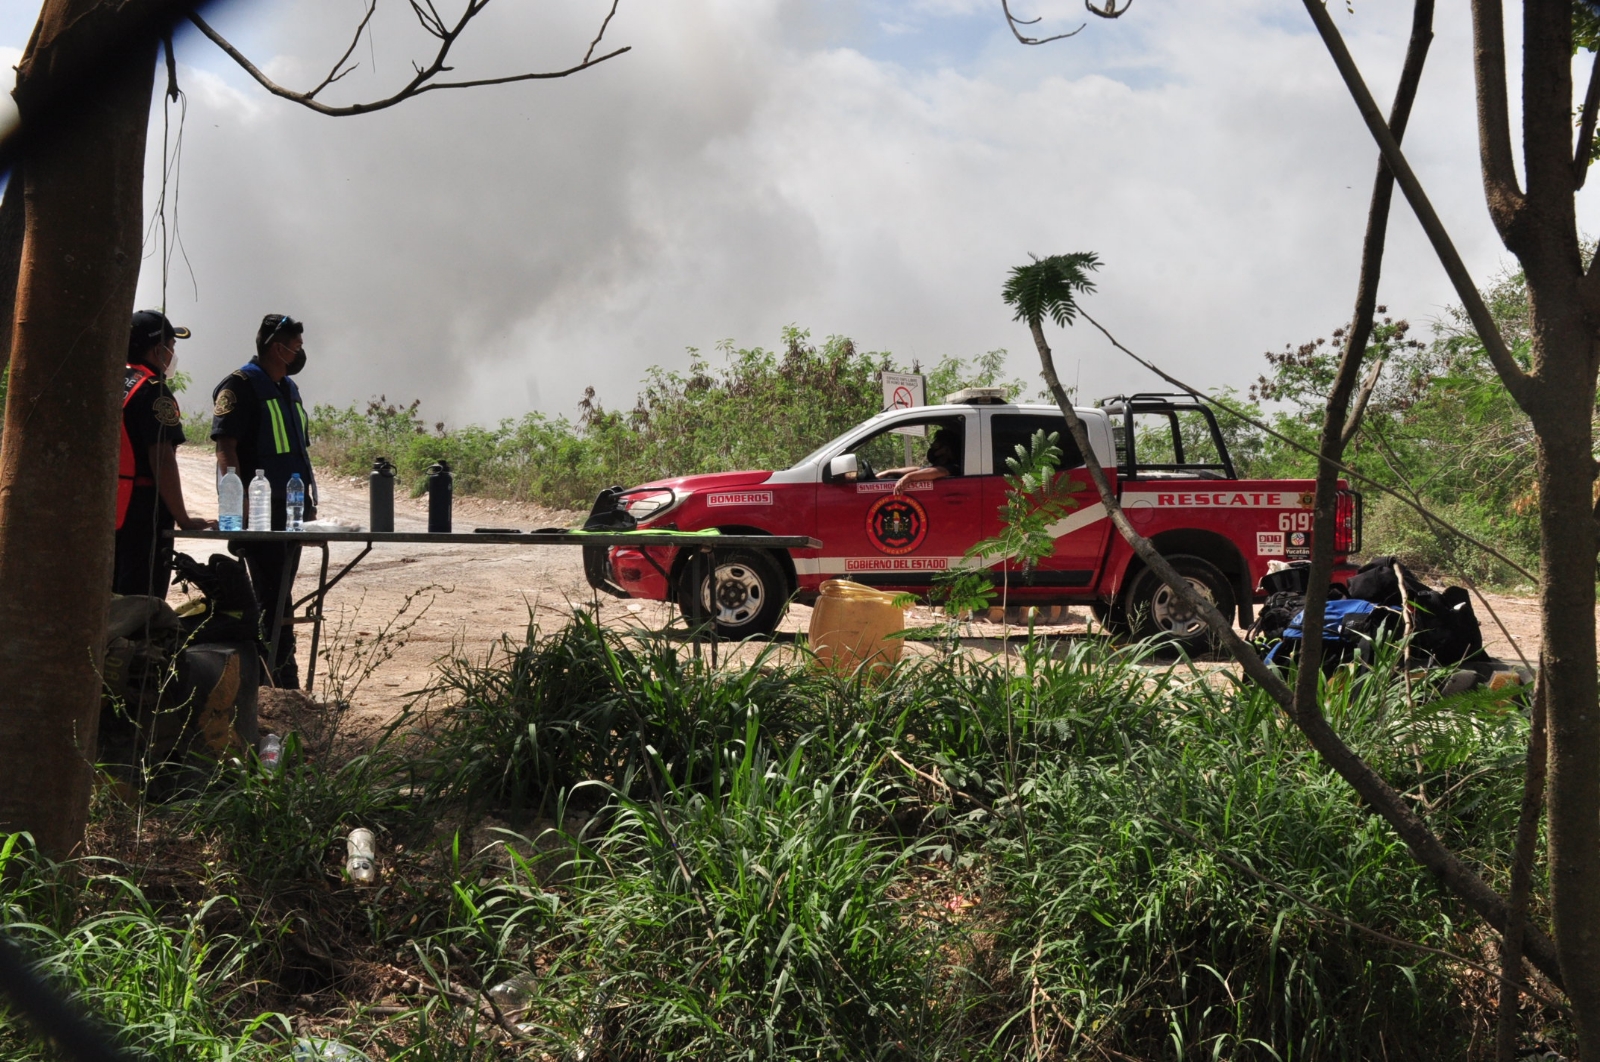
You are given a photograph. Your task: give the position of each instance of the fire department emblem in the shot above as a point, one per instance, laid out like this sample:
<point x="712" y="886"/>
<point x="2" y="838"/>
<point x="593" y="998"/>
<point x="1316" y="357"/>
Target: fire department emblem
<point x="897" y="524"/>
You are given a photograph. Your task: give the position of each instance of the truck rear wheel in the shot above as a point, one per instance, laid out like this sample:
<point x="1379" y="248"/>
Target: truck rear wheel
<point x="745" y="599"/>
<point x="1153" y="609"/>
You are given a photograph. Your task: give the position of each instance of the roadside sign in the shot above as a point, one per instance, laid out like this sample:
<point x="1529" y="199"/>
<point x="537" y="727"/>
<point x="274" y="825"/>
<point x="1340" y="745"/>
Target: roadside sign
<point x="905" y="390"/>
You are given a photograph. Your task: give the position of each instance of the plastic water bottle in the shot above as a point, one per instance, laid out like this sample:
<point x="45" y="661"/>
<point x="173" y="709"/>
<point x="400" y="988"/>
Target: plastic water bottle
<point x="309" y="1050"/>
<point x="260" y="502"/>
<point x="271" y="754"/>
<point x="295" y="497"/>
<point x="230" y="502"/>
<point x="361" y="856"/>
<point x="513" y="996"/>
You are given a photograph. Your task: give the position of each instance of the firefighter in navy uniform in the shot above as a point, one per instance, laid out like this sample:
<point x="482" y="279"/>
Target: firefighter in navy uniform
<point x="258" y="421"/>
<point x="149" y="492"/>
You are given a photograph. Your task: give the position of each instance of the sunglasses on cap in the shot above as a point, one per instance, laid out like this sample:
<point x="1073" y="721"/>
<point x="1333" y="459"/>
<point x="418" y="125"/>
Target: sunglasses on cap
<point x="273" y="323"/>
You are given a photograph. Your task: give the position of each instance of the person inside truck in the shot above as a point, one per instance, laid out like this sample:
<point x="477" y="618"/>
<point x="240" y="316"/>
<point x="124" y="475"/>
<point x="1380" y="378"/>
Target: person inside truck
<point x="943" y="460"/>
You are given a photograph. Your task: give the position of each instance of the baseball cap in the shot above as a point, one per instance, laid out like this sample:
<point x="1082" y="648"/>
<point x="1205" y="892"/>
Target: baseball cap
<point x="151" y="327"/>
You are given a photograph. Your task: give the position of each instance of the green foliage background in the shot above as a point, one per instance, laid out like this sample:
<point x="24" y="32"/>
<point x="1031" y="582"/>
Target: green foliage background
<point x="761" y="409"/>
<point x="1440" y="427"/>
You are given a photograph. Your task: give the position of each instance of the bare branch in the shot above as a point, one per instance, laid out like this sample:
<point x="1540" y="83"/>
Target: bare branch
<point x="598" y="37"/>
<point x="1353" y="425"/>
<point x="422" y="80"/>
<point x="1109" y="9"/>
<point x="1519" y="383"/>
<point x="336" y="72"/>
<point x="1591" y="107"/>
<point x="1533" y="779"/>
<point x="1494" y="123"/>
<point x="1014" y="22"/>
<point x="1331" y="444"/>
<point x="1355" y="474"/>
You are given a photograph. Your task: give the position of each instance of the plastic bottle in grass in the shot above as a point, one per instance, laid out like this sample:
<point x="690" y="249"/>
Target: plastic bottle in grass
<point x="271" y="753"/>
<point x="361" y="858"/>
<point x="315" y="1050"/>
<point x="513" y="995"/>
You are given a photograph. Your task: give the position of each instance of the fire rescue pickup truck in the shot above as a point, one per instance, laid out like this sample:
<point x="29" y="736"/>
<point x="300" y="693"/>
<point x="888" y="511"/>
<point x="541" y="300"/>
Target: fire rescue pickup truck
<point x="1164" y="454"/>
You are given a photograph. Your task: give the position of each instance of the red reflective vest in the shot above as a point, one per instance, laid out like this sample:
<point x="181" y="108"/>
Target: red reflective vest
<point x="127" y="468"/>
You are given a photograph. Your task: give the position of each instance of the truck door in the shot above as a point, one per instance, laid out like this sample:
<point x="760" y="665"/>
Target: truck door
<point x="901" y="541"/>
<point x="1081" y="533"/>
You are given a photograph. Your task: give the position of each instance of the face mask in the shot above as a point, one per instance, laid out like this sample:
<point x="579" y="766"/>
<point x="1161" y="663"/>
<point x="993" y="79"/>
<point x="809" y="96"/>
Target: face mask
<point x="298" y="363"/>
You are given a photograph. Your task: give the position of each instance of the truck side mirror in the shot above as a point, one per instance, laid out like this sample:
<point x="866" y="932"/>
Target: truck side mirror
<point x="842" y="466"/>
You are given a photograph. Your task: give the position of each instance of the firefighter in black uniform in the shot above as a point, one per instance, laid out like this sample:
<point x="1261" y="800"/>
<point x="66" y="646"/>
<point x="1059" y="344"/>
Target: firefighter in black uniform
<point x="258" y="421"/>
<point x="149" y="492"/>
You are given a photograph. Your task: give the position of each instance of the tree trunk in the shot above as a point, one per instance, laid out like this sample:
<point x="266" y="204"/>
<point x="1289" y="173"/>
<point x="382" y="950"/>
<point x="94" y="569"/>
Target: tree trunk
<point x="1567" y="570"/>
<point x="10" y="260"/>
<point x="84" y="186"/>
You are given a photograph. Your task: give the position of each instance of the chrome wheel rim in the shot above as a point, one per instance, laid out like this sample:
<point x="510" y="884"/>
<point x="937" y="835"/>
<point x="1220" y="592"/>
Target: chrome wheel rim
<point x="739" y="593"/>
<point x="1172" y="615"/>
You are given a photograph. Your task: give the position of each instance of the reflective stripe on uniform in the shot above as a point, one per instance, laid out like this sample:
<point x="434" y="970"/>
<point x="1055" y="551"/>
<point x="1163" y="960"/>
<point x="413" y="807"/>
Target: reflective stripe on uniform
<point x="280" y="434"/>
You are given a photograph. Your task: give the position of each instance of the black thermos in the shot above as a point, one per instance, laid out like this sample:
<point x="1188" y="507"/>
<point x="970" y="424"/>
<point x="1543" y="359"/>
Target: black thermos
<point x="440" y="496"/>
<point x="380" y="496"/>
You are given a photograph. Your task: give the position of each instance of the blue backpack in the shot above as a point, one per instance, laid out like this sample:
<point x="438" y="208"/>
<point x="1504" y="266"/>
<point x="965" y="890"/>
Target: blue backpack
<point x="1348" y="627"/>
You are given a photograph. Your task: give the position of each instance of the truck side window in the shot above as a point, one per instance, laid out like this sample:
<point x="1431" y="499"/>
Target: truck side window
<point x="1007" y="431"/>
<point x="888" y="449"/>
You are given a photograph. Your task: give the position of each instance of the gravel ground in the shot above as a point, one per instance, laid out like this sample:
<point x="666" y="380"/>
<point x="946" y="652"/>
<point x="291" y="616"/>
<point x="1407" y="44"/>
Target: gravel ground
<point x="463" y="599"/>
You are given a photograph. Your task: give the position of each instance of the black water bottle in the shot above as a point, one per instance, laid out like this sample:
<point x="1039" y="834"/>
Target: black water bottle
<point x="441" y="491"/>
<point x="380" y="496"/>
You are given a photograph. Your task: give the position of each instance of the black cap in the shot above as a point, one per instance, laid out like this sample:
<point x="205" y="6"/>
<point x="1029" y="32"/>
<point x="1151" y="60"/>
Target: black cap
<point x="274" y="325"/>
<point x="151" y="327"/>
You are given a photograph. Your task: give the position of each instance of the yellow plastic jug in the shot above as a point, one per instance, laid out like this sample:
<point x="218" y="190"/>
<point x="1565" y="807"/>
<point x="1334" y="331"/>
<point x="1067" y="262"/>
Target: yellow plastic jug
<point x="851" y="624"/>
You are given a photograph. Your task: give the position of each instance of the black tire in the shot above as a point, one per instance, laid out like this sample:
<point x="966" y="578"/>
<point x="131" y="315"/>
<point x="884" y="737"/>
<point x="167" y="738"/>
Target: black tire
<point x="751" y="594"/>
<point x="1113" y="618"/>
<point x="1154" y="610"/>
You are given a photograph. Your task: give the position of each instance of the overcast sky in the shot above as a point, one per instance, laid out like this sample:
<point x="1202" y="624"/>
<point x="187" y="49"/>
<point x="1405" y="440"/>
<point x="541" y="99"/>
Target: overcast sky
<point x="869" y="168"/>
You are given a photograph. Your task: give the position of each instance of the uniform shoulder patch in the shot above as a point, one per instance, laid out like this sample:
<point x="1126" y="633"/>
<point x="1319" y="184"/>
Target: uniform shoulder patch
<point x="165" y="408"/>
<point x="226" y="400"/>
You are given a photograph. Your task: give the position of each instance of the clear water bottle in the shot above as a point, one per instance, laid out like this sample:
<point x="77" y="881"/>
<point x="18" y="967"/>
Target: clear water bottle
<point x="314" y="1050"/>
<point x="230" y="502"/>
<point x="361" y="859"/>
<point x="260" y="502"/>
<point x="294" y="496"/>
<point x="271" y="753"/>
<point x="513" y="996"/>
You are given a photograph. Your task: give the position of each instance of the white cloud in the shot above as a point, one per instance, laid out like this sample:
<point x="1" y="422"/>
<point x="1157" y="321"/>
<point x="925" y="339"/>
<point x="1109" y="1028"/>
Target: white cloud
<point x="489" y="249"/>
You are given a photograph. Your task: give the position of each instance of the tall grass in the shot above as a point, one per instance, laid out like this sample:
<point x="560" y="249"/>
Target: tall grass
<point x="965" y="859"/>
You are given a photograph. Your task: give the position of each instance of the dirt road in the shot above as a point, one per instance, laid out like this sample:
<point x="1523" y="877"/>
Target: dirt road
<point x="461" y="599"/>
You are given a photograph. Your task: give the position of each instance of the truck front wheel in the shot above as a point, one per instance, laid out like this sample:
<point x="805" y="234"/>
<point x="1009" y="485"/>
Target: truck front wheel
<point x="1154" y="609"/>
<point x="745" y="599"/>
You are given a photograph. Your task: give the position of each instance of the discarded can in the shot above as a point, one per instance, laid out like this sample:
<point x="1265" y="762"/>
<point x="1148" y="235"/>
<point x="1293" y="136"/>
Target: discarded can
<point x="380" y="496"/>
<point x="441" y="492"/>
<point x="361" y="856"/>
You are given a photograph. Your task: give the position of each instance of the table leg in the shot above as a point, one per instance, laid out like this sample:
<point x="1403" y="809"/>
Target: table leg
<point x="284" y="590"/>
<point x="316" y="619"/>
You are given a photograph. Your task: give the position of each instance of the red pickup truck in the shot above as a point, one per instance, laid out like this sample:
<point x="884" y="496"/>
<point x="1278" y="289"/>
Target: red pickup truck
<point x="1165" y="455"/>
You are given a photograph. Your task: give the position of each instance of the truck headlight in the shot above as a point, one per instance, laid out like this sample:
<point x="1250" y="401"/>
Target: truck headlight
<point x="651" y="504"/>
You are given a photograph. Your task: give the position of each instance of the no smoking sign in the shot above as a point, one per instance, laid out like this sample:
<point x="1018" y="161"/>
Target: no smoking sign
<point x="904" y="390"/>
